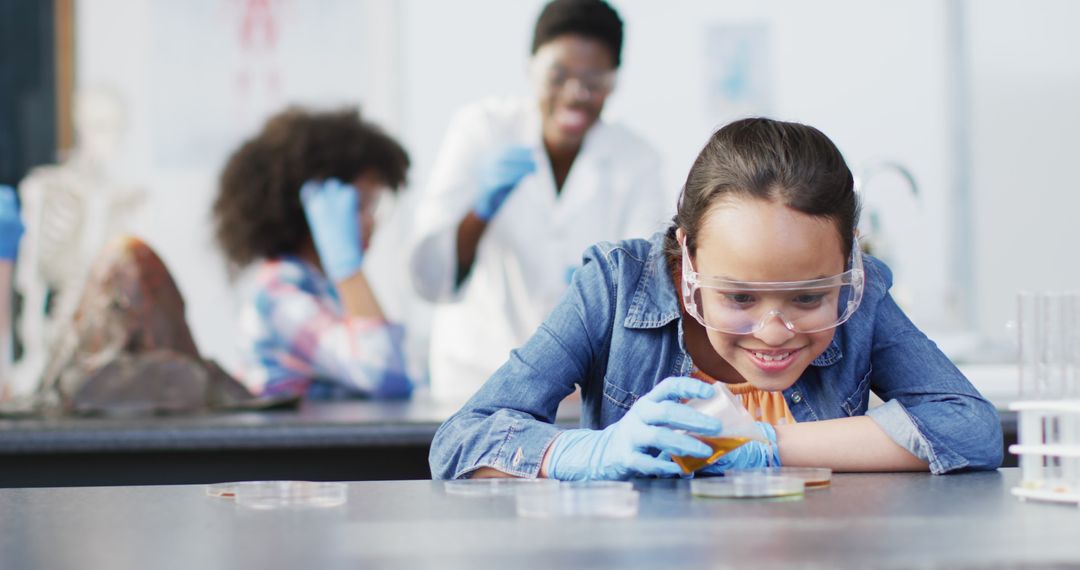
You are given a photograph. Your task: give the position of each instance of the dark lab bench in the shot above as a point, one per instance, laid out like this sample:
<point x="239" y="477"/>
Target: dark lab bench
<point x="322" y="441"/>
<point x="328" y="441"/>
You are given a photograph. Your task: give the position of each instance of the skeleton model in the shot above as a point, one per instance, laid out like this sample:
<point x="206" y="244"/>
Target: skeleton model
<point x="70" y="210"/>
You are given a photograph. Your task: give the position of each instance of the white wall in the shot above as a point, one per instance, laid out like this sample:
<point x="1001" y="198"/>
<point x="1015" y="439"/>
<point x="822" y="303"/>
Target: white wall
<point x="1025" y="124"/>
<point x="873" y="75"/>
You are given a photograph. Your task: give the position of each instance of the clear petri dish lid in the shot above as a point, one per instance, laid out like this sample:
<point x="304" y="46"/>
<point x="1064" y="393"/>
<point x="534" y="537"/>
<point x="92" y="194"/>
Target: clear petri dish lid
<point x="496" y="487"/>
<point x="748" y="486"/>
<point x="592" y="499"/>
<point x="289" y="494"/>
<point x="610" y="485"/>
<point x="813" y="477"/>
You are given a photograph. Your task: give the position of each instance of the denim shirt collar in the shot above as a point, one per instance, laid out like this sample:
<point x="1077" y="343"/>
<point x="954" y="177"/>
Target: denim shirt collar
<point x="655" y="303"/>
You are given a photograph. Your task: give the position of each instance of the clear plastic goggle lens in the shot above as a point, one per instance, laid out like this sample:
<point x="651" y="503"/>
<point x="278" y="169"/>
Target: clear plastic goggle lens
<point x="744" y="312"/>
<point x="739" y="307"/>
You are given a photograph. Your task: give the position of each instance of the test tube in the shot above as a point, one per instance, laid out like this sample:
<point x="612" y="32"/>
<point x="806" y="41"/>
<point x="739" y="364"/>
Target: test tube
<point x="1068" y="423"/>
<point x="1071" y="388"/>
<point x="1049" y="344"/>
<point x="1052" y="346"/>
<point x="1049" y="328"/>
<point x="1028" y="319"/>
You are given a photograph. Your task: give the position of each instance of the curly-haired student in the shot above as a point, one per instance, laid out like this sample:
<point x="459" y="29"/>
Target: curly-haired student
<point x="297" y="200"/>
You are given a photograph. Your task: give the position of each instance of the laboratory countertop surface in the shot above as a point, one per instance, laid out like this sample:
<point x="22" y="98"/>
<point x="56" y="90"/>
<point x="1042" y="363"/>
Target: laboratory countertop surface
<point x="860" y="521"/>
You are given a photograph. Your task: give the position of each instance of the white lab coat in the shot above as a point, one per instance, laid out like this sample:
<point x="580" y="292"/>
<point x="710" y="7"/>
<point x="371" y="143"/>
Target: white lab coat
<point x="533" y="243"/>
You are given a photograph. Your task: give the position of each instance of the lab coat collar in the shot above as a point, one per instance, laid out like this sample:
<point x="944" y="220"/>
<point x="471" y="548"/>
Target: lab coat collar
<point x="589" y="175"/>
<point x="654" y="303"/>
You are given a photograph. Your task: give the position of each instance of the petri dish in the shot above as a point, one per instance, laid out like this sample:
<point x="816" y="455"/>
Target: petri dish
<point x="290" y="494"/>
<point x="813" y="477"/>
<point x="588" y="500"/>
<point x="495" y="487"/>
<point x="748" y="486"/>
<point x="221" y="490"/>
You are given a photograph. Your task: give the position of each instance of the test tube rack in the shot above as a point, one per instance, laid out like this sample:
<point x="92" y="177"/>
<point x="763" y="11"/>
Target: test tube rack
<point x="1048" y="445"/>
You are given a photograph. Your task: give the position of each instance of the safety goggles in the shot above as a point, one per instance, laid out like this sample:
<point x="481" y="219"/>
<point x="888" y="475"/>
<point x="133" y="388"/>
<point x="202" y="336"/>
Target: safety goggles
<point x="745" y="307"/>
<point x="555" y="78"/>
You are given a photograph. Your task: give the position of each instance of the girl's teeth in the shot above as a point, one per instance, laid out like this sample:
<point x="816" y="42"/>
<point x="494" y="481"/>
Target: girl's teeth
<point x="772" y="357"/>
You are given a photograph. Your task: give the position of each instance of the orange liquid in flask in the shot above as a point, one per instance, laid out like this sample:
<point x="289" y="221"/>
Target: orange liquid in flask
<point x="720" y="446"/>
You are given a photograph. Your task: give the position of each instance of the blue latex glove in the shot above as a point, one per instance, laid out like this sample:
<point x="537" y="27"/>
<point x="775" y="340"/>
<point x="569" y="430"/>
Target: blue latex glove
<point x="499" y="177"/>
<point x="752" y="455"/>
<point x="621" y="450"/>
<point x="11" y="226"/>
<point x="332" y="209"/>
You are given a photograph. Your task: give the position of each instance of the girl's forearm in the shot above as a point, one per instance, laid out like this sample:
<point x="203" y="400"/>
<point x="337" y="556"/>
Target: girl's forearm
<point x="845" y="444"/>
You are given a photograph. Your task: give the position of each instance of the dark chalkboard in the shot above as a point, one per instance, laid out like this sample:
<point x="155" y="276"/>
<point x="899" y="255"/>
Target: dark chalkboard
<point x="28" y="118"/>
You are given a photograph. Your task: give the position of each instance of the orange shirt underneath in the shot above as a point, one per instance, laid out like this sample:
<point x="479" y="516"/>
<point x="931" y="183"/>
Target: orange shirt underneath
<point x="763" y="406"/>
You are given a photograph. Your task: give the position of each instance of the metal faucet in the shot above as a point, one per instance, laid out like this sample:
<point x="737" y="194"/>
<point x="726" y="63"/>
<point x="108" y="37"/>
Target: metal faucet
<point x="862" y="183"/>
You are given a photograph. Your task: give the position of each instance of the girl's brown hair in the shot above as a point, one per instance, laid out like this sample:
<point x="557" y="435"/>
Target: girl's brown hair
<point x="770" y="160"/>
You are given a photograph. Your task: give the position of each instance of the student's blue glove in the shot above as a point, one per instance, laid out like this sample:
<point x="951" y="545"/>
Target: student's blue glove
<point x="499" y="177"/>
<point x="751" y="455"/>
<point x="11" y="226"/>
<point x="622" y="449"/>
<point x="332" y="209"/>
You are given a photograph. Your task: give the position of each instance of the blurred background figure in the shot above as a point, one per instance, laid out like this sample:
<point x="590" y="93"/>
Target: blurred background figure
<point x="71" y="209"/>
<point x="297" y="202"/>
<point x="520" y="188"/>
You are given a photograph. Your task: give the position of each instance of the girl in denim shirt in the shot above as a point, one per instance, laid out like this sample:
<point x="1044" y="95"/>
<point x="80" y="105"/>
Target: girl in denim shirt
<point x="758" y="284"/>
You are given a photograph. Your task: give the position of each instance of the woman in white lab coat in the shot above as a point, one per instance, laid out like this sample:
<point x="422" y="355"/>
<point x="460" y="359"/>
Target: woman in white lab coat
<point x="520" y="189"/>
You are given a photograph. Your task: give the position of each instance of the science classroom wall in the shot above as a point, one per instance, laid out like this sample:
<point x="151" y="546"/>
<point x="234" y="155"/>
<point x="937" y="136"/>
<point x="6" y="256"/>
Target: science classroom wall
<point x="875" y="76"/>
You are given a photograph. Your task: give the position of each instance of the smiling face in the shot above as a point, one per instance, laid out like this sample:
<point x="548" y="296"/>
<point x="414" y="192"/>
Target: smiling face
<point x="750" y="239"/>
<point x="573" y="76"/>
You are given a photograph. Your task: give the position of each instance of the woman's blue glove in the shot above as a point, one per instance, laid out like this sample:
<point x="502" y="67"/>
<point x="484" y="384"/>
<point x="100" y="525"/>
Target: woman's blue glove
<point x="499" y="177"/>
<point x="11" y="226"/>
<point x="751" y="455"/>
<point x="332" y="209"/>
<point x="622" y="449"/>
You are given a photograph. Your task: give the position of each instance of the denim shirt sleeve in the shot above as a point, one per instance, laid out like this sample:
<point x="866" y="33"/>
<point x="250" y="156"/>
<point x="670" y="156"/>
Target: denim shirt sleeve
<point x="930" y="408"/>
<point x="509" y="423"/>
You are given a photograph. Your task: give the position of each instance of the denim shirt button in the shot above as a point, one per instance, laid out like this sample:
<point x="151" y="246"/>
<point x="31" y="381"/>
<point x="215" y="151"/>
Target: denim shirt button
<point x="517" y="457"/>
<point x="796" y="397"/>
